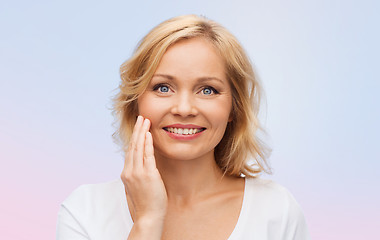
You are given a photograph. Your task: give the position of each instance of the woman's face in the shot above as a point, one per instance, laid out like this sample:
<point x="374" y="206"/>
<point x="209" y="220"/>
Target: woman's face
<point x="188" y="101"/>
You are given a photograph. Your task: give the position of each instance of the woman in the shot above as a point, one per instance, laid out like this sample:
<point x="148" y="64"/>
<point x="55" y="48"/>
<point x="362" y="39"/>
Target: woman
<point x="187" y="108"/>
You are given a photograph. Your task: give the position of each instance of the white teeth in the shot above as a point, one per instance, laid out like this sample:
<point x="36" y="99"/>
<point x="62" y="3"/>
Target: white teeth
<point x="184" y="131"/>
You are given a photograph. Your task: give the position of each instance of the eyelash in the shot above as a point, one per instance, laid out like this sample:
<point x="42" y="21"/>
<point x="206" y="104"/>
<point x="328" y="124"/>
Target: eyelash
<point x="158" y="86"/>
<point x="214" y="91"/>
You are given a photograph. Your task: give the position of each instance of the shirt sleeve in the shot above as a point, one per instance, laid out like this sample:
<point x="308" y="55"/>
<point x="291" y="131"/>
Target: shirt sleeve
<point x="295" y="226"/>
<point x="69" y="227"/>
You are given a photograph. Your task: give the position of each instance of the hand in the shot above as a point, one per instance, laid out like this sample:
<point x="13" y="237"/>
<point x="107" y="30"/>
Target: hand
<point x="143" y="183"/>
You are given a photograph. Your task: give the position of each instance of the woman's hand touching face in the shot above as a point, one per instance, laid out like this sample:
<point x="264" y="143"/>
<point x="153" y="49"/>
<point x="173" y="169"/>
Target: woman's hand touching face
<point x="145" y="189"/>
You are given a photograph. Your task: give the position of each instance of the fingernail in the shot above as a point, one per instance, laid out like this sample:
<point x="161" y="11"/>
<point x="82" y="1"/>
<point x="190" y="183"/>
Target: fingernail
<point x="146" y="122"/>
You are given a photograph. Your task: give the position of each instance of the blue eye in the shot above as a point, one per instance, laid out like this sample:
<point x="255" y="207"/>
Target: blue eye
<point x="163" y="89"/>
<point x="209" y="91"/>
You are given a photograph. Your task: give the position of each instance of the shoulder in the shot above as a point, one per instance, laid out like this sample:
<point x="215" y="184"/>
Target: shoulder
<point x="91" y="198"/>
<point x="274" y="196"/>
<point x="87" y="191"/>
<point x="273" y="208"/>
<point x="95" y="211"/>
<point x="267" y="190"/>
<point x="260" y="184"/>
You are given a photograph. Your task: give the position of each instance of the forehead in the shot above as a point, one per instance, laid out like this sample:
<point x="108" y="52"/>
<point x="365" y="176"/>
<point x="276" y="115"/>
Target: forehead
<point x="192" y="59"/>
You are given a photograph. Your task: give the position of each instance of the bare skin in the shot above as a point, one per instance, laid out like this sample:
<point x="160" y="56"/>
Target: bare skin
<point x="179" y="213"/>
<point x="145" y="190"/>
<point x="174" y="188"/>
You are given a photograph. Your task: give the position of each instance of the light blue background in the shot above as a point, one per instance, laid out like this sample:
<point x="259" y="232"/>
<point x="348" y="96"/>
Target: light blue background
<point x="318" y="62"/>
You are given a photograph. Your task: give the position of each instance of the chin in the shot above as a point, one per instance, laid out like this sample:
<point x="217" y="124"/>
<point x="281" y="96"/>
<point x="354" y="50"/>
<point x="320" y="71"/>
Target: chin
<point x="182" y="153"/>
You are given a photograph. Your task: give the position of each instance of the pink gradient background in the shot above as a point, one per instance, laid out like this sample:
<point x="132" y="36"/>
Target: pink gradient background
<point x="317" y="60"/>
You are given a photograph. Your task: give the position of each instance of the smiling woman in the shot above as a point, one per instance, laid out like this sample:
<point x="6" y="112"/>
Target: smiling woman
<point x="187" y="108"/>
<point x="240" y="139"/>
<point x="190" y="92"/>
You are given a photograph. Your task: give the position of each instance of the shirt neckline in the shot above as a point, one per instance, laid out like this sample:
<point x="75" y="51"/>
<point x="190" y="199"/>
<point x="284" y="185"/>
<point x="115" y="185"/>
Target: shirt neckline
<point x="235" y="232"/>
<point x="243" y="211"/>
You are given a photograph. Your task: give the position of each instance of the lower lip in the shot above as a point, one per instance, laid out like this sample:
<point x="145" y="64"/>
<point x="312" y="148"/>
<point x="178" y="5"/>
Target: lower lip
<point x="182" y="136"/>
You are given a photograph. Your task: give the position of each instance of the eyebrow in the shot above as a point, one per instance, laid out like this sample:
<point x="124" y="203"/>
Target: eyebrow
<point x="201" y="79"/>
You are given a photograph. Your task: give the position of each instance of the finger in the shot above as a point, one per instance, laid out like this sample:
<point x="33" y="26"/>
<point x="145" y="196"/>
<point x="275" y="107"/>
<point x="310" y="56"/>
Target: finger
<point x="138" y="155"/>
<point x="132" y="143"/>
<point x="149" y="160"/>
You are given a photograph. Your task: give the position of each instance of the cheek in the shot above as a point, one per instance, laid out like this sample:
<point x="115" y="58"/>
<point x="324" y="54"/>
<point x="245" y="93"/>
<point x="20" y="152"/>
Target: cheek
<point x="145" y="107"/>
<point x="218" y="114"/>
<point x="219" y="110"/>
<point x="150" y="108"/>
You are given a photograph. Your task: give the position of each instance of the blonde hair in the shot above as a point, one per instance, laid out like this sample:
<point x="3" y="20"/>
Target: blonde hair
<point x="240" y="141"/>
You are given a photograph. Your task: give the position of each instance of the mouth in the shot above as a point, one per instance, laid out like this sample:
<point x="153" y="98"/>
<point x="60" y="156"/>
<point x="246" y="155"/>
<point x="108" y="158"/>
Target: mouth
<point x="184" y="131"/>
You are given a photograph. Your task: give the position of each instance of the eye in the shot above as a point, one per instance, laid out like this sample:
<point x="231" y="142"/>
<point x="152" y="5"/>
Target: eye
<point x="162" y="88"/>
<point x="209" y="91"/>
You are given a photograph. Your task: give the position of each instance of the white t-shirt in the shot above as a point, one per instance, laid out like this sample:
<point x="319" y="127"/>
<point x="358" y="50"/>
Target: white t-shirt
<point x="100" y="212"/>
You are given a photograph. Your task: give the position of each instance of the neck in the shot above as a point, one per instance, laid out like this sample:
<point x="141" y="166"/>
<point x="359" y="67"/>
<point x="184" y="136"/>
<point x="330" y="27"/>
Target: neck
<point x="188" y="180"/>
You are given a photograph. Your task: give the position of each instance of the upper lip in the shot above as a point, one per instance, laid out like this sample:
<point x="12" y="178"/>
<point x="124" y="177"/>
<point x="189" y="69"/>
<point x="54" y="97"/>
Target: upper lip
<point x="178" y="125"/>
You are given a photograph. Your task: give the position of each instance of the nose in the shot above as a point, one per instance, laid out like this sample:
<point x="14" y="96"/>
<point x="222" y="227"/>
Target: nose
<point x="184" y="105"/>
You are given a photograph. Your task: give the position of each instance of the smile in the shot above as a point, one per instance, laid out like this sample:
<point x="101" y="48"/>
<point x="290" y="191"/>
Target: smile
<point x="184" y="131"/>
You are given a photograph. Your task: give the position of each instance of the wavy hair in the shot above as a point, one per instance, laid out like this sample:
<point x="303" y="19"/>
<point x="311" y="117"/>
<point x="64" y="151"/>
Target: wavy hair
<point x="240" y="151"/>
